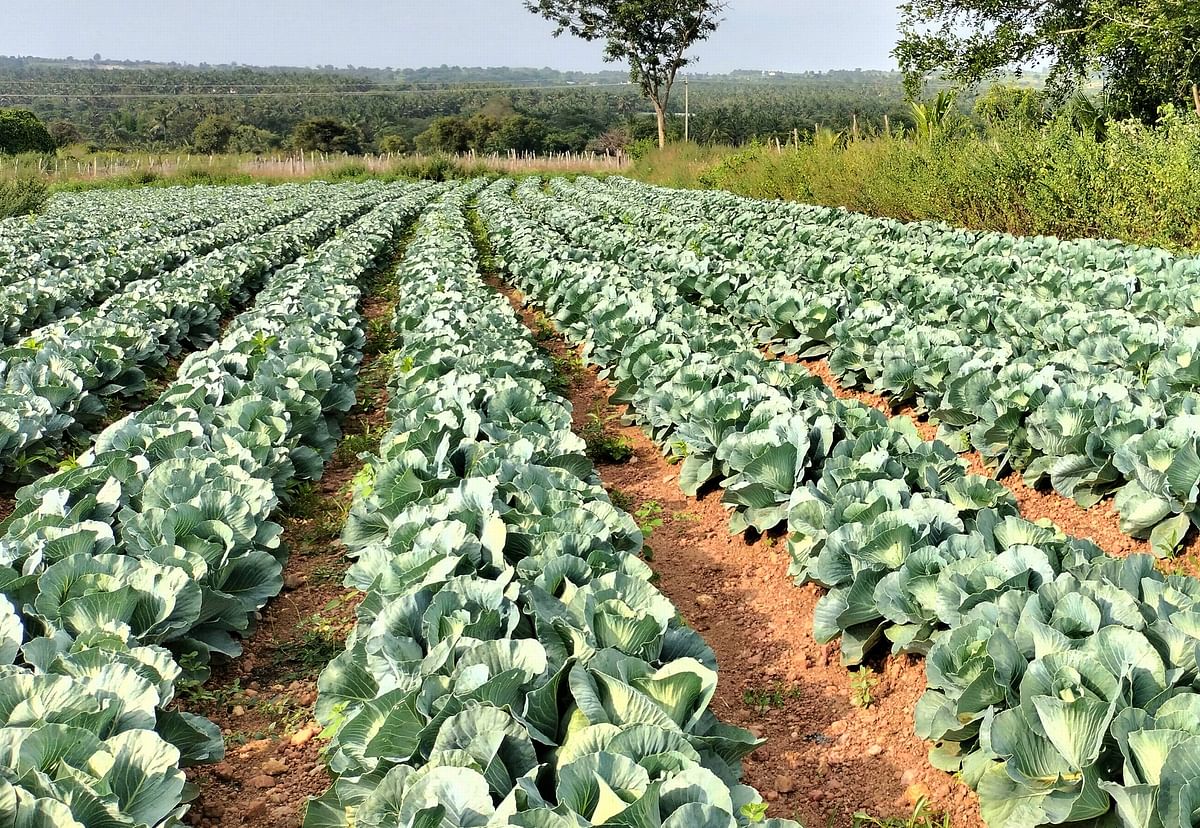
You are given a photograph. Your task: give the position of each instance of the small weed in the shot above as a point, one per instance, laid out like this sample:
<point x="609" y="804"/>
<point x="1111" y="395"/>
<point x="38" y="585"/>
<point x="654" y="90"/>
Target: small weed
<point x="284" y="713"/>
<point x="755" y="811"/>
<point x="762" y="699"/>
<point x="543" y="328"/>
<point x="686" y="517"/>
<point x="353" y="445"/>
<point x="861" y="685"/>
<point x="326" y="573"/>
<point x="304" y="501"/>
<point x="620" y="499"/>
<point x="566" y="371"/>
<point x="921" y="817"/>
<point x="322" y="637"/>
<point x="649" y="517"/>
<point x="379" y="335"/>
<point x="197" y="693"/>
<point x="602" y="446"/>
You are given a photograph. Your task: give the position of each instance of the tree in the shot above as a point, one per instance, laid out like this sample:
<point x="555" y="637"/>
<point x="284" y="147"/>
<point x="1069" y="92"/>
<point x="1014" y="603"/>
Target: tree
<point x="395" y="143"/>
<point x="251" y="139"/>
<point x="520" y="133"/>
<point x="652" y="35"/>
<point x="1146" y="53"/>
<point x="451" y="133"/>
<point x="21" y="131"/>
<point x="212" y="135"/>
<point x="64" y="133"/>
<point x="327" y="135"/>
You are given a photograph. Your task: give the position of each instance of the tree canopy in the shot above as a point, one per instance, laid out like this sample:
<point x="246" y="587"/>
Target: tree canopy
<point x="327" y="135"/>
<point x="652" y="35"/>
<point x="1145" y="52"/>
<point x="21" y="131"/>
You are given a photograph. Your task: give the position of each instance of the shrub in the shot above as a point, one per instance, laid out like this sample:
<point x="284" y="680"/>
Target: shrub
<point x="22" y="196"/>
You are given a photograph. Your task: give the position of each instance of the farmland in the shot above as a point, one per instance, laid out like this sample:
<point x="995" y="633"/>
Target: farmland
<point x="563" y="503"/>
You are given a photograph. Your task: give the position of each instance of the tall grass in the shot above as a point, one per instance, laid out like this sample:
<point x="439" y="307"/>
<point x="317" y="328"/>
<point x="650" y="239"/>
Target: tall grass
<point x="1137" y="183"/>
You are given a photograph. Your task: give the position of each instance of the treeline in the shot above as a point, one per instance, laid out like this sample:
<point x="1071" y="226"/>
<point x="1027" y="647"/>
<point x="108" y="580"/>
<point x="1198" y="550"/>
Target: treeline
<point x="208" y="109"/>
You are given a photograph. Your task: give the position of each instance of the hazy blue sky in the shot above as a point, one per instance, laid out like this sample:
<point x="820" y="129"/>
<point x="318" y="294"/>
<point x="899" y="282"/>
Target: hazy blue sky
<point x="792" y="35"/>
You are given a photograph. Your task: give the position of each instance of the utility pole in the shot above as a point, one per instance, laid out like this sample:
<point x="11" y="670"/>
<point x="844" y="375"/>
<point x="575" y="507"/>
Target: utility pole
<point x="687" y="112"/>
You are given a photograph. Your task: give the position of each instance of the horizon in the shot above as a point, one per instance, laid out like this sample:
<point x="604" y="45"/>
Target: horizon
<point x="791" y="36"/>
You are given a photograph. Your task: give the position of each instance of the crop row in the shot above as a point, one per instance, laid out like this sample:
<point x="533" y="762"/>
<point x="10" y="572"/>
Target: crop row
<point x="47" y="293"/>
<point x="122" y="575"/>
<point x="56" y="388"/>
<point x="79" y="227"/>
<point x="1094" y="401"/>
<point x="1062" y="684"/>
<point x="511" y="663"/>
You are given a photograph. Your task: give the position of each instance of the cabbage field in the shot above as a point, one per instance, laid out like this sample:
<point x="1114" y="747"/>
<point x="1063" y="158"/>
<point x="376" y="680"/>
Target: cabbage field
<point x="177" y="364"/>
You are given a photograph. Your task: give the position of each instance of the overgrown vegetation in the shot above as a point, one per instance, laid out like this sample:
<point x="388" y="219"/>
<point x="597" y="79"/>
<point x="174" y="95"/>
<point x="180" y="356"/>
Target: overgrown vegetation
<point x="22" y="197"/>
<point x="1074" y="176"/>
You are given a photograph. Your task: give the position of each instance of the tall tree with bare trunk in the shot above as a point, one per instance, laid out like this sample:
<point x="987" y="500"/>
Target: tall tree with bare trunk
<point x="652" y="35"/>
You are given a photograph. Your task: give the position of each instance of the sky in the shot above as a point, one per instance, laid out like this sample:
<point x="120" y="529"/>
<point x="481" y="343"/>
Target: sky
<point x="784" y="35"/>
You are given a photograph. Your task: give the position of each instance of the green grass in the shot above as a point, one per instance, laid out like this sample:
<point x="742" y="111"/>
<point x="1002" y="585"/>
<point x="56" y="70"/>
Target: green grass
<point x="1138" y="183"/>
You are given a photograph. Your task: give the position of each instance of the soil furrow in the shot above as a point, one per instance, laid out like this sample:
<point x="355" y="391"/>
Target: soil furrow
<point x="263" y="701"/>
<point x="837" y="742"/>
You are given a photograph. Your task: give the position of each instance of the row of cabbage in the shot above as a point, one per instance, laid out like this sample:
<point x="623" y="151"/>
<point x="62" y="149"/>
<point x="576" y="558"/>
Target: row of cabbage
<point x="122" y="576"/>
<point x="511" y="662"/>
<point x="59" y="385"/>
<point x="78" y="227"/>
<point x="1062" y="683"/>
<point x="1092" y="401"/>
<point x="1153" y="283"/>
<point x="75" y="275"/>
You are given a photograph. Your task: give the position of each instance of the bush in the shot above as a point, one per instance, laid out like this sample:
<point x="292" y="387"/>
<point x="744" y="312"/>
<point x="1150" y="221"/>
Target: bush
<point x="22" y="197"/>
<point x="21" y="131"/>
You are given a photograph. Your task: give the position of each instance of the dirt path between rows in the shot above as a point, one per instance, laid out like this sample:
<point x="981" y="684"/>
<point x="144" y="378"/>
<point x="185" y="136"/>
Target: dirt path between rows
<point x="825" y="758"/>
<point x="263" y="701"/>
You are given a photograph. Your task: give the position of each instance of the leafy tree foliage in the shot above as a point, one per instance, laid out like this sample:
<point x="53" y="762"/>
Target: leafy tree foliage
<point x="213" y="134"/>
<point x="21" y="131"/>
<point x="22" y="196"/>
<point x="1147" y="52"/>
<point x="64" y="133"/>
<point x="652" y="35"/>
<point x="251" y="139"/>
<point x="327" y="135"/>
